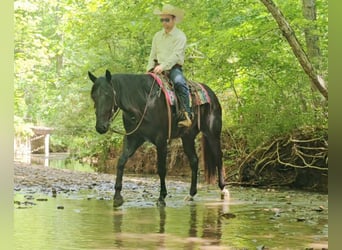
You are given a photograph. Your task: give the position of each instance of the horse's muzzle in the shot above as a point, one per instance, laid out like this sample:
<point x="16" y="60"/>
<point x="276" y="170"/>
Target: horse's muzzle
<point x="101" y="128"/>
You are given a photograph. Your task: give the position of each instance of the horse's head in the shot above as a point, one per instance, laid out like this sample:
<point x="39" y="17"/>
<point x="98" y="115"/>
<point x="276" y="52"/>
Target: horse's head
<point x="103" y="96"/>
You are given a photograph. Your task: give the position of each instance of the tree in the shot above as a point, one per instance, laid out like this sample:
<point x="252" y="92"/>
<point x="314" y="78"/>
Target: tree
<point x="232" y="46"/>
<point x="311" y="38"/>
<point x="296" y="47"/>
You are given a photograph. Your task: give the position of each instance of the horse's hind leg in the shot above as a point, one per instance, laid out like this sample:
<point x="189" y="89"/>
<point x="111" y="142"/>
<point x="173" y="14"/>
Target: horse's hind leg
<point x="214" y="145"/>
<point x="190" y="151"/>
<point x="211" y="129"/>
<point x="130" y="145"/>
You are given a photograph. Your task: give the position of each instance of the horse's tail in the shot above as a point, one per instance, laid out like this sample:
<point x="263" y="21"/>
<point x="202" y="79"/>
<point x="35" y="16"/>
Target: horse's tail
<point x="209" y="160"/>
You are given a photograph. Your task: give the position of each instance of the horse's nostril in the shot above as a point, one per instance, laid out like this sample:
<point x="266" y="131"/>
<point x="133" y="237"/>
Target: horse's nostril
<point x="101" y="129"/>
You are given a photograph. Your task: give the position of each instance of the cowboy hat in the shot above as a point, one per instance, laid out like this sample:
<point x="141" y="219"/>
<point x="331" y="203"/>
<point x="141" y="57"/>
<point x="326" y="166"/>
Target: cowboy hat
<point x="168" y="9"/>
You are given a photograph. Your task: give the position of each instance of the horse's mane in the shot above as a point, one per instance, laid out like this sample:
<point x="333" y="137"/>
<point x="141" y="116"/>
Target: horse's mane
<point x="135" y="81"/>
<point x="133" y="89"/>
<point x="125" y="83"/>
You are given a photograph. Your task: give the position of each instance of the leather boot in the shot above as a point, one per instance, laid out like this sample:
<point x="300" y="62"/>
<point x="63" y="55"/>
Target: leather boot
<point x="186" y="122"/>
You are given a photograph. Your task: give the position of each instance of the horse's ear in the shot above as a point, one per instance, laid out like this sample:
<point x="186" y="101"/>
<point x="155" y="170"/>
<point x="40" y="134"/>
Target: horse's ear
<point x="92" y="77"/>
<point x="108" y="75"/>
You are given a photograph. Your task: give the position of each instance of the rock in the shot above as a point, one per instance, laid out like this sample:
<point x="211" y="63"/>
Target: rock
<point x="41" y="199"/>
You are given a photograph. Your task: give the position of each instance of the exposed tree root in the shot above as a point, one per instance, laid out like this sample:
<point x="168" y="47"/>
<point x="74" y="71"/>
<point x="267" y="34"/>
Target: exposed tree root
<point x="299" y="160"/>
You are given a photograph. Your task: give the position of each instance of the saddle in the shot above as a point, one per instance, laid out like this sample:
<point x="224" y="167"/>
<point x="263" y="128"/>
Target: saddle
<point x="198" y="94"/>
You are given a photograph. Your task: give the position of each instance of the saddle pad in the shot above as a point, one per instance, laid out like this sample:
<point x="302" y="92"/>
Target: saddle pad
<point x="198" y="94"/>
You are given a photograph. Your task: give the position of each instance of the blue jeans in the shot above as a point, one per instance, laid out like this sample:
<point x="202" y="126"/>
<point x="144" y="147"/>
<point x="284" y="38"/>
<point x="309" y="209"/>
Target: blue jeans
<point x="181" y="88"/>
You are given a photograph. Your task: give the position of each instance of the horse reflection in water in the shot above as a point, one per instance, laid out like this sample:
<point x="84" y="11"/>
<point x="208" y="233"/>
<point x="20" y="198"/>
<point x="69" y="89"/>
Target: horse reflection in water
<point x="146" y="117"/>
<point x="202" y="222"/>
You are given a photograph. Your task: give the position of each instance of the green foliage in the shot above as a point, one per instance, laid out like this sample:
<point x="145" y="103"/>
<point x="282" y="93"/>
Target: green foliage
<point x="22" y="129"/>
<point x="234" y="46"/>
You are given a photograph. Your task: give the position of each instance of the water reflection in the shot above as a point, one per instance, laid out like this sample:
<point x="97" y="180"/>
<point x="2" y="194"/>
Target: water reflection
<point x="193" y="220"/>
<point x="212" y="222"/>
<point x="204" y="223"/>
<point x="162" y="219"/>
<point x="186" y="227"/>
<point x="117" y="221"/>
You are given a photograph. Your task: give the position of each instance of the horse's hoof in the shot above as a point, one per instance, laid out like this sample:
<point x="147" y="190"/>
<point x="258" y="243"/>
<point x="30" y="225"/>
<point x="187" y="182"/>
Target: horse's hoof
<point x="189" y="198"/>
<point x="161" y="203"/>
<point x="118" y="202"/>
<point x="225" y="194"/>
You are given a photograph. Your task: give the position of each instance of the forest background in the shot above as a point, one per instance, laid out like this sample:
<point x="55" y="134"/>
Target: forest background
<point x="236" y="47"/>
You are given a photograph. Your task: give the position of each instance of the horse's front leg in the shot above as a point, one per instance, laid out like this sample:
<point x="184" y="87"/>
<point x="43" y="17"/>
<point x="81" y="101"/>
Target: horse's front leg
<point x="118" y="199"/>
<point x="161" y="161"/>
<point x="130" y="145"/>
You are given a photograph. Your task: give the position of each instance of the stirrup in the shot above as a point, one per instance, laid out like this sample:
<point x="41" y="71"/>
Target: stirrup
<point x="186" y="122"/>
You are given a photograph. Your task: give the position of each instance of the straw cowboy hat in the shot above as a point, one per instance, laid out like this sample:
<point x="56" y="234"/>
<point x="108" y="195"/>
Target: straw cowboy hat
<point x="168" y="9"/>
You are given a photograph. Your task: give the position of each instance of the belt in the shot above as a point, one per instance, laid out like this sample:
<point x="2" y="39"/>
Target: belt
<point x="177" y="66"/>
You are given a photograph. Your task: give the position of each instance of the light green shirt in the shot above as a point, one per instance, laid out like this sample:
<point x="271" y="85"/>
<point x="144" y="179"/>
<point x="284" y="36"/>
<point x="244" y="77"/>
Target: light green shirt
<point x="168" y="49"/>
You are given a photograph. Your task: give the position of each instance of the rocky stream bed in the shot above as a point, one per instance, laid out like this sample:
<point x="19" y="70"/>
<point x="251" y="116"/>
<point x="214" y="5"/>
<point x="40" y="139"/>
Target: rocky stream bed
<point x="301" y="216"/>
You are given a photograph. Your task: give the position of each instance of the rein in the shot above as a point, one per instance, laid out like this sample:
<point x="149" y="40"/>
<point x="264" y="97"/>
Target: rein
<point x="118" y="110"/>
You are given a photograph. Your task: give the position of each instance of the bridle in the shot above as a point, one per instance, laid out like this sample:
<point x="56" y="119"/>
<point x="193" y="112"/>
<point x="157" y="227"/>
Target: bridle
<point x="115" y="104"/>
<point x="115" y="113"/>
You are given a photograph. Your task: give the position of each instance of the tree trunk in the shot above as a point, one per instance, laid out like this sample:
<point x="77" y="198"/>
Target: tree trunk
<point x="59" y="56"/>
<point x="296" y="47"/>
<point x="309" y="13"/>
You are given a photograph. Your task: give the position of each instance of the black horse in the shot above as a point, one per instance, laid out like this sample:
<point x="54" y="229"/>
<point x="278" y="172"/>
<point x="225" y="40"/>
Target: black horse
<point x="146" y="117"/>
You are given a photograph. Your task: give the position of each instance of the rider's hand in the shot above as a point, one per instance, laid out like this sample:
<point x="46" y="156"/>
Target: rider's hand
<point x="158" y="69"/>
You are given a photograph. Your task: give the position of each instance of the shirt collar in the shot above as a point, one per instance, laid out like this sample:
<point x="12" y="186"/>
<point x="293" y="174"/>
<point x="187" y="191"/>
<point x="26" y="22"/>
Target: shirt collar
<point x="171" y="32"/>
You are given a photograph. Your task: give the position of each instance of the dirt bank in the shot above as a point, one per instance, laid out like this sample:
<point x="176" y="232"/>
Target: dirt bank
<point x="298" y="161"/>
<point x="44" y="179"/>
<point x="29" y="179"/>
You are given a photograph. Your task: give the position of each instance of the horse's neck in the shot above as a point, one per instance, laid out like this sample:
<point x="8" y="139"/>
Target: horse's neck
<point x="129" y="91"/>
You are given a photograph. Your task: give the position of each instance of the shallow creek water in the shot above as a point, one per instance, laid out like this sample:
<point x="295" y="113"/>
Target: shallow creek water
<point x="251" y="219"/>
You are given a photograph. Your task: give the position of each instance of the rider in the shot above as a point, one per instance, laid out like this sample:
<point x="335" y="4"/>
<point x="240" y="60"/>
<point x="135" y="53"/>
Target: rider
<point x="168" y="49"/>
